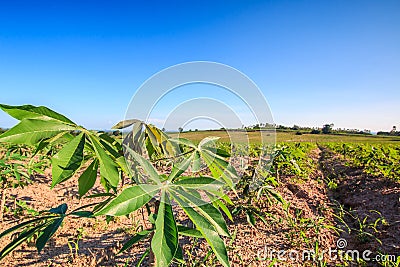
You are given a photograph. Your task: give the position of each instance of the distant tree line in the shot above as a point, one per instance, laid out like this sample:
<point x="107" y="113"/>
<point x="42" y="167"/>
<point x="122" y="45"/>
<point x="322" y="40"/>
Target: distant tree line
<point x="325" y="129"/>
<point x="393" y="132"/>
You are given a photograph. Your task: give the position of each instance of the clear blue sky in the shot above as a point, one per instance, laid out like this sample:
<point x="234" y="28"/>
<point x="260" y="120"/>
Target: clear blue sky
<point x="316" y="61"/>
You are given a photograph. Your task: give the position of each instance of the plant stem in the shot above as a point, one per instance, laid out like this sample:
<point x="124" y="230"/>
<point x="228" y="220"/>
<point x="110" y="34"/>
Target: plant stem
<point x="151" y="254"/>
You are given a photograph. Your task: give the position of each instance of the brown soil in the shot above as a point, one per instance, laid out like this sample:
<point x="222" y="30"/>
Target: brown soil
<point x="362" y="196"/>
<point x="311" y="207"/>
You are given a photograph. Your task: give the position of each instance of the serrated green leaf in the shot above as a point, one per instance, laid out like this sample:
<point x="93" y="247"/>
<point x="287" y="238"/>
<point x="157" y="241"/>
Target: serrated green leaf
<point x="68" y="160"/>
<point x="88" y="178"/>
<point x="129" y="200"/>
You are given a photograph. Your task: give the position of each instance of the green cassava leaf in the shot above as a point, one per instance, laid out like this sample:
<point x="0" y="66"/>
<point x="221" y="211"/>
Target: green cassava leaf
<point x="21" y="238"/>
<point x="61" y="209"/>
<point x="165" y="240"/>
<point x="199" y="183"/>
<point x="125" y="123"/>
<point x="88" y="178"/>
<point x="219" y="204"/>
<point x="179" y="255"/>
<point x="180" y="168"/>
<point x="18" y="226"/>
<point x="32" y="131"/>
<point x="187" y="231"/>
<point x="68" y="160"/>
<point x="108" y="168"/>
<point x="47" y="233"/>
<point x="214" y="158"/>
<point x="83" y="214"/>
<point x="183" y="141"/>
<point x="222" y="153"/>
<point x="136" y="238"/>
<point x="141" y="259"/>
<point x="153" y="144"/>
<point x="207" y="230"/>
<point x="207" y="210"/>
<point x="110" y="145"/>
<point x="101" y="195"/>
<point x="33" y="112"/>
<point x="219" y="167"/>
<point x="112" y="141"/>
<point x="250" y="218"/>
<point x="121" y="161"/>
<point x="129" y="200"/>
<point x="162" y="140"/>
<point x="196" y="162"/>
<point x="209" y="141"/>
<point x="146" y="165"/>
<point x="41" y="145"/>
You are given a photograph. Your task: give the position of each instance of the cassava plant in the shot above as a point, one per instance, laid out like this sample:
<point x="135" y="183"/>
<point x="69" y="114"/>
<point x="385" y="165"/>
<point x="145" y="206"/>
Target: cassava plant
<point x="12" y="174"/>
<point x="135" y="156"/>
<point x="16" y="170"/>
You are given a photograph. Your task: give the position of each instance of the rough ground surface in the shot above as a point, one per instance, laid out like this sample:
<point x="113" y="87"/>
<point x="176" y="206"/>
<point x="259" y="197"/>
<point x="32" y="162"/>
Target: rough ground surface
<point x="368" y="207"/>
<point x="311" y="210"/>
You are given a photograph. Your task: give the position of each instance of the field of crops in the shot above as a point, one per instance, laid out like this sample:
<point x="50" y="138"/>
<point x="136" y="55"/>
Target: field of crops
<point x="291" y="136"/>
<point x="69" y="193"/>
